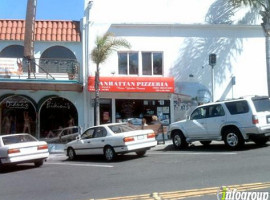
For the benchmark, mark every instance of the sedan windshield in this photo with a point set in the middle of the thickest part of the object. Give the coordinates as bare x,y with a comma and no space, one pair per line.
18,139
120,128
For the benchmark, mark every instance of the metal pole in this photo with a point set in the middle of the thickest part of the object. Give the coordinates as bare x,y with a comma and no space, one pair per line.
213,83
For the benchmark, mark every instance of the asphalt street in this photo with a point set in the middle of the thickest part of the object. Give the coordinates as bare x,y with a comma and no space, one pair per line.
164,173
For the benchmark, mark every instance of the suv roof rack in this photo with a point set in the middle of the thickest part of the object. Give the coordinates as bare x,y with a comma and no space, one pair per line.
231,99
243,97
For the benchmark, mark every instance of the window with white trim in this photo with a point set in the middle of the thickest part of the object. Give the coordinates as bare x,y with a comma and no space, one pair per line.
128,63
152,63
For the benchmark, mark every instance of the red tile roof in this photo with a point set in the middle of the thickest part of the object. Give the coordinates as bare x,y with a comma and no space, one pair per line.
45,30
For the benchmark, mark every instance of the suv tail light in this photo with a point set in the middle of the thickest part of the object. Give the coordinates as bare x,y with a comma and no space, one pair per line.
255,119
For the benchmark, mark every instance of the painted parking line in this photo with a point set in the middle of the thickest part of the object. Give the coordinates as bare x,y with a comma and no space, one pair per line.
183,194
192,153
80,164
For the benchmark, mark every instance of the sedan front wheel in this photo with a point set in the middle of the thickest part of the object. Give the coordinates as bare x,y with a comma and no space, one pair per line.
71,154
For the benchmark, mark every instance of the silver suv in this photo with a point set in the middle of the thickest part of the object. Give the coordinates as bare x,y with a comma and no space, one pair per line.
233,121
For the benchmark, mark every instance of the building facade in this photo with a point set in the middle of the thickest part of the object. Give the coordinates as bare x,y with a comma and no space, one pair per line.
48,96
165,72
173,40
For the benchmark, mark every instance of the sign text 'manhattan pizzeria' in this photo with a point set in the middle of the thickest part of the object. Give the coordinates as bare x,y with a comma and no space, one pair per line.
133,84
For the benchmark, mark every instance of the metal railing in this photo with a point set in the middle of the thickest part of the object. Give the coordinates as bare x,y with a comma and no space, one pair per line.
46,69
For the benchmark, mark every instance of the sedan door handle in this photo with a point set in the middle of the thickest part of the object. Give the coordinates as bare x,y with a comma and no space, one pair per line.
102,140
88,142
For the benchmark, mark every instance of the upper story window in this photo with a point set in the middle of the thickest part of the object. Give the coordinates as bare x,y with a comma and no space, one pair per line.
152,63
128,63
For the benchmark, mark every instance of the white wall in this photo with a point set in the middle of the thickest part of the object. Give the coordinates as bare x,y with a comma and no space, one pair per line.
165,11
240,53
187,32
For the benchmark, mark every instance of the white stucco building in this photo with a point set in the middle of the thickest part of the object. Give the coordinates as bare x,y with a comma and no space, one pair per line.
182,34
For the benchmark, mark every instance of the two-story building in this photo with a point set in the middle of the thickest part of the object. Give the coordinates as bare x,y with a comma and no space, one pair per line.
164,72
49,94
168,63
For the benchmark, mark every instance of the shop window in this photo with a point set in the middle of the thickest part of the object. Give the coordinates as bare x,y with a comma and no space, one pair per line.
128,63
134,111
152,63
57,113
18,115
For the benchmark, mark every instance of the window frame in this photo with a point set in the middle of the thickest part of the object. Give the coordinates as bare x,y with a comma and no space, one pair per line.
152,63
128,65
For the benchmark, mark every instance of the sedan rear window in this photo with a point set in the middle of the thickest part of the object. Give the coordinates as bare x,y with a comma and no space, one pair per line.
17,139
261,104
121,128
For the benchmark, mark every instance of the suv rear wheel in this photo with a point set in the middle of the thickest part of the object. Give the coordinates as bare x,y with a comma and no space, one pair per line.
233,138
179,140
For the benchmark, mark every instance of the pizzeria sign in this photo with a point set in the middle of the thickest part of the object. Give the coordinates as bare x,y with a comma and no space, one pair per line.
133,84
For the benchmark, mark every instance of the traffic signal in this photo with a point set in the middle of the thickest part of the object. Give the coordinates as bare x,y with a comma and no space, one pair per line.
212,59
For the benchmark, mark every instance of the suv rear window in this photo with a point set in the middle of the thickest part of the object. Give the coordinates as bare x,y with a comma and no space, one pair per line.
261,104
237,107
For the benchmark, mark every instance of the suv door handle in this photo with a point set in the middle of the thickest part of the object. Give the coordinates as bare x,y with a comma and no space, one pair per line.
102,140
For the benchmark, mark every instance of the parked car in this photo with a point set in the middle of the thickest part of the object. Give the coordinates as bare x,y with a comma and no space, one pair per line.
63,135
233,121
22,148
110,140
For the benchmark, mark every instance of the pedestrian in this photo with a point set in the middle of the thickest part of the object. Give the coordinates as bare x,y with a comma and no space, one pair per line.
144,123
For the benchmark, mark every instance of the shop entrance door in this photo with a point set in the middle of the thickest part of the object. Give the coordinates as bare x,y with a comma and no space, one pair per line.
105,111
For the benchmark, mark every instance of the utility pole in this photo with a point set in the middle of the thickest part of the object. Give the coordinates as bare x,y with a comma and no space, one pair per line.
29,35
212,63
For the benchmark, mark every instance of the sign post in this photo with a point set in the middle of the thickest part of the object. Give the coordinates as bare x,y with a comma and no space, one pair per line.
212,63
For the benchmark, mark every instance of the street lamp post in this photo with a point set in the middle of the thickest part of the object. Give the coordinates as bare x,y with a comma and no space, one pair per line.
212,63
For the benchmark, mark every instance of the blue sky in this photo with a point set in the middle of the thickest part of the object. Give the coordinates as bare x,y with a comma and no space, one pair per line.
46,9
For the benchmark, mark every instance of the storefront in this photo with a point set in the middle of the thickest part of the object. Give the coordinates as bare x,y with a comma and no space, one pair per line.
124,98
17,114
21,114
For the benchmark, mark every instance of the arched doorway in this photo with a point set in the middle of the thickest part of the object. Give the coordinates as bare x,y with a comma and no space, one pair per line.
12,51
56,113
58,59
17,115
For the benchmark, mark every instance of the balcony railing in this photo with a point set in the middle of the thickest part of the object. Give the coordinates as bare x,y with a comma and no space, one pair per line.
41,69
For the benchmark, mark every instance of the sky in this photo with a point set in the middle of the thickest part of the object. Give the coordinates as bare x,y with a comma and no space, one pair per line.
46,9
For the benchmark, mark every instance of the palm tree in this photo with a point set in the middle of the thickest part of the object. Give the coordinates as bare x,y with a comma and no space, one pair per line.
104,46
264,10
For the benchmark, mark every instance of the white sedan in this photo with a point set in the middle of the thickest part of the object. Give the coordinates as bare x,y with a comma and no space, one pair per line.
22,148
110,140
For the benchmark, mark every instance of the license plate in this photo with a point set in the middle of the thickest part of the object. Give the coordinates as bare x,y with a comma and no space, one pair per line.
140,137
29,149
